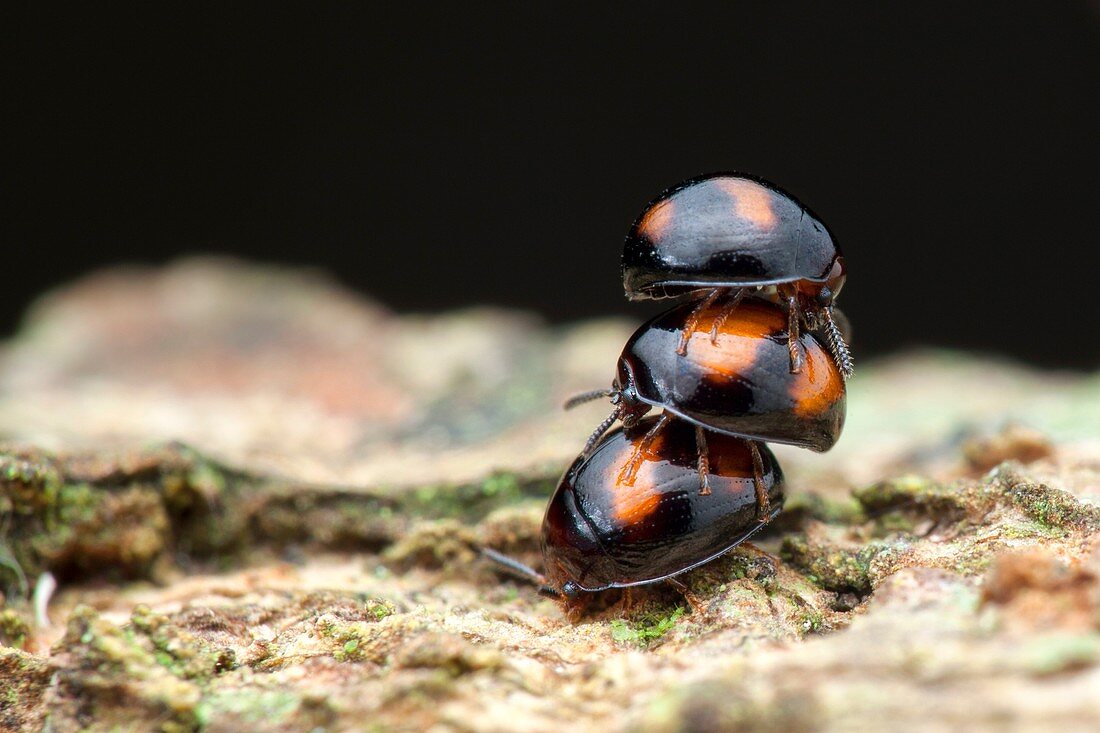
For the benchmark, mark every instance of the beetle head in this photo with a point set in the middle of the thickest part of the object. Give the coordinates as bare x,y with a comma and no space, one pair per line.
629,408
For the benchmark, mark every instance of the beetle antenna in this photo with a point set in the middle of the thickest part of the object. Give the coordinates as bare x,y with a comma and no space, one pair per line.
837,345
525,571
599,431
580,399
514,565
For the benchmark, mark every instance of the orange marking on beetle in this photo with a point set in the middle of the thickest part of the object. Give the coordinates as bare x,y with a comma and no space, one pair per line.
633,506
633,500
641,452
819,385
751,201
739,339
656,220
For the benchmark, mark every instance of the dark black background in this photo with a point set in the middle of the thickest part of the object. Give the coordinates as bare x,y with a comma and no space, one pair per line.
497,154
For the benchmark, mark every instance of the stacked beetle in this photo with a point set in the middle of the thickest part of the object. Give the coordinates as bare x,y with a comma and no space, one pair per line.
751,353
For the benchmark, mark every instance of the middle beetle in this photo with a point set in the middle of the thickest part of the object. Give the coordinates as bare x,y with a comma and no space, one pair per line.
732,377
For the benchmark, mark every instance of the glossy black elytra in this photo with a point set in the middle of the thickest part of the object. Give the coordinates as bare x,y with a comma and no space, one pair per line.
631,513
732,377
731,230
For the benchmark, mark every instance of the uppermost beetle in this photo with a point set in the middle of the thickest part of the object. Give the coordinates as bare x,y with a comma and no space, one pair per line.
726,231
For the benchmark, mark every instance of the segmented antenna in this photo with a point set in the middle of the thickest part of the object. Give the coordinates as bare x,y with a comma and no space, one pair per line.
838,346
514,565
599,431
580,399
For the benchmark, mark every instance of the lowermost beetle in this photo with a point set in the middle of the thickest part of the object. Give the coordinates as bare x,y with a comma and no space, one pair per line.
631,513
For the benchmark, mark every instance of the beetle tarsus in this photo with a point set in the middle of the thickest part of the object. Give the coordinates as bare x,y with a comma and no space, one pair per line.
626,599
630,470
726,311
693,600
704,461
838,346
763,501
693,320
793,345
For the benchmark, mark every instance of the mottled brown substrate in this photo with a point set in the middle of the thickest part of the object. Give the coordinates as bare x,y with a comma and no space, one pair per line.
309,560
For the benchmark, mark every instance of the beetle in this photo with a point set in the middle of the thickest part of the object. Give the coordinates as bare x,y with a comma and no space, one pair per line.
731,378
629,513
723,231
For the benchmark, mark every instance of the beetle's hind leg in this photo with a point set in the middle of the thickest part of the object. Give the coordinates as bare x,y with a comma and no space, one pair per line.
629,472
794,317
693,320
696,602
763,501
704,461
727,309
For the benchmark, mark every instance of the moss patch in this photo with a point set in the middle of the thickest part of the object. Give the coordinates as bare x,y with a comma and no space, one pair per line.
846,510
646,630
14,629
25,681
1049,506
114,676
835,568
903,499
119,516
178,650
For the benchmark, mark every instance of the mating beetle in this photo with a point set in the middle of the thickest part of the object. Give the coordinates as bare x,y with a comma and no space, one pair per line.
631,513
720,231
731,378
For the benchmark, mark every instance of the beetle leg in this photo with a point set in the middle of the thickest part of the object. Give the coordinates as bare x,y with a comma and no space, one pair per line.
793,317
629,472
696,603
763,501
693,320
726,311
704,461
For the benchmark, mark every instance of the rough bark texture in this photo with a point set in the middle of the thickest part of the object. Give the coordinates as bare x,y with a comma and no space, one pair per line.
262,499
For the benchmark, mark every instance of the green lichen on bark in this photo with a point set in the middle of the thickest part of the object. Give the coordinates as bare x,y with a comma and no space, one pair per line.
25,683
113,675
119,521
915,495
840,569
1049,506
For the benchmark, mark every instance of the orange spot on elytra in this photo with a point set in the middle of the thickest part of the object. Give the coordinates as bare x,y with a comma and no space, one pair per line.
739,337
751,201
635,506
645,450
633,500
818,386
657,219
